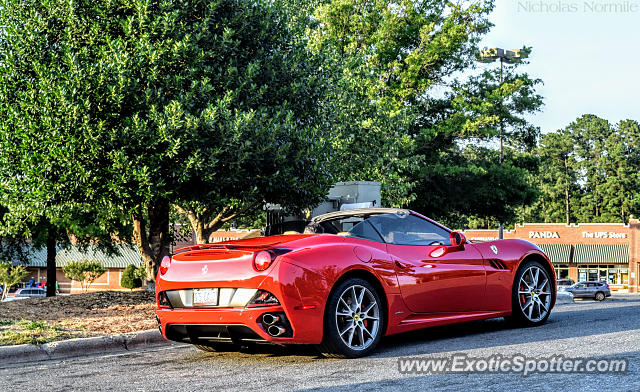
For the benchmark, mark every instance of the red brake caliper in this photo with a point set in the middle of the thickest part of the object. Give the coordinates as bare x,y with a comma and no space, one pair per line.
522,298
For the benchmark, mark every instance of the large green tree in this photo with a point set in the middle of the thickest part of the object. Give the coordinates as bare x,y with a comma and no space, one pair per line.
557,178
621,189
387,59
591,134
409,116
461,180
132,107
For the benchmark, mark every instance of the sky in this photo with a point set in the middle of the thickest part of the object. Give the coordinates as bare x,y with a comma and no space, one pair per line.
587,53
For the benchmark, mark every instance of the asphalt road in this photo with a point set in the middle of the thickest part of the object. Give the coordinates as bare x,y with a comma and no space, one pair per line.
584,329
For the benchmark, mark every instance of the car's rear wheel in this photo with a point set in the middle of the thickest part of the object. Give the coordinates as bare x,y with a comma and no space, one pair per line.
354,320
216,347
532,294
599,296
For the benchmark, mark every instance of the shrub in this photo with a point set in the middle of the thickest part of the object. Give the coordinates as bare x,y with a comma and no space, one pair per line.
10,276
141,272
84,271
130,278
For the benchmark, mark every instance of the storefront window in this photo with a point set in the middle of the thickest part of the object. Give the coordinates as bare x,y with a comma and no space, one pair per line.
612,274
562,271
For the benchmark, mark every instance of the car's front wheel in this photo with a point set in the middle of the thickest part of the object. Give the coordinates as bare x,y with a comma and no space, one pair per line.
532,295
354,320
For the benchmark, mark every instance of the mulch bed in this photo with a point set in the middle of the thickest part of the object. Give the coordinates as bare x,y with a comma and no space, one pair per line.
90,314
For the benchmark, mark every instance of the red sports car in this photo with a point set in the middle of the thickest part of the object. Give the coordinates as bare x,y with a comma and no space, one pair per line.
349,279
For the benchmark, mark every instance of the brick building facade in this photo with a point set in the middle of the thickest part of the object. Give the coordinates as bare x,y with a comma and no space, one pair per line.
587,251
110,280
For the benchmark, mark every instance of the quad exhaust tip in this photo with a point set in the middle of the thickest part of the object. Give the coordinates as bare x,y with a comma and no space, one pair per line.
270,319
275,324
275,330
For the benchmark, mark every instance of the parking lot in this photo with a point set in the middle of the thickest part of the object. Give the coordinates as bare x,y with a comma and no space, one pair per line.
584,329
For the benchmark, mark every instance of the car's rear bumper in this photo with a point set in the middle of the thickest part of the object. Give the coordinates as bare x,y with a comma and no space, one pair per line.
301,294
199,326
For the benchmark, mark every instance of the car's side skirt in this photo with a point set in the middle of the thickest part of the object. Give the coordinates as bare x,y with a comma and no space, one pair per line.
419,321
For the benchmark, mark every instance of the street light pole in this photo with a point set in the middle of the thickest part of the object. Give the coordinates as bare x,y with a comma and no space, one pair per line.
501,131
500,226
510,57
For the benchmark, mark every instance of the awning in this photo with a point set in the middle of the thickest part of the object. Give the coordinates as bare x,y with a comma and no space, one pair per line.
601,254
557,253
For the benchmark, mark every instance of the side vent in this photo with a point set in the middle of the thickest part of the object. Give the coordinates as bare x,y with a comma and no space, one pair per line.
497,264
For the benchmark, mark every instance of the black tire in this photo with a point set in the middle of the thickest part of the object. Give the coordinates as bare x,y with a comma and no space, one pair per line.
333,345
599,296
518,316
217,347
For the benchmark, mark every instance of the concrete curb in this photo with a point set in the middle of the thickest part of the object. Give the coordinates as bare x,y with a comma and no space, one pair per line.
80,347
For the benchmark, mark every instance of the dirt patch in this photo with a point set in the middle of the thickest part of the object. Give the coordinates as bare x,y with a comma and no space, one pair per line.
84,315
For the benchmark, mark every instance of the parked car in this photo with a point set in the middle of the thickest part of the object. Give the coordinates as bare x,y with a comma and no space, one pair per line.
564,297
596,290
353,277
565,283
25,293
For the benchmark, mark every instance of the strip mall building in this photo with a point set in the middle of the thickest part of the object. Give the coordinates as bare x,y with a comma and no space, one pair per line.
608,252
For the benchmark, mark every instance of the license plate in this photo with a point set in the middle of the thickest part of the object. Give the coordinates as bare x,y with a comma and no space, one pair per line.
208,297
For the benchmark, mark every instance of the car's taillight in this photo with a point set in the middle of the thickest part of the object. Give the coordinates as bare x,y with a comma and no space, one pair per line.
164,265
262,260
163,301
15,295
263,298
607,286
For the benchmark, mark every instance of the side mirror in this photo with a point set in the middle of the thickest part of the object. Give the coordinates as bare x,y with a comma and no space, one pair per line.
457,239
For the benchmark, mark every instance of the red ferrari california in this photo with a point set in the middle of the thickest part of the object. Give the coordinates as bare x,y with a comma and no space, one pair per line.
349,279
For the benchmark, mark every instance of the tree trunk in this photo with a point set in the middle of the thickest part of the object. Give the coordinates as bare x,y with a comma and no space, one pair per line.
51,262
199,231
152,241
197,224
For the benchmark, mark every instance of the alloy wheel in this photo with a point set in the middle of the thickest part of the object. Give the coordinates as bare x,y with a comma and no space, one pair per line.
357,317
534,293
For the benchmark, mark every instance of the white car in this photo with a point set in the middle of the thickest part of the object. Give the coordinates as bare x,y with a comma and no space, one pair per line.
564,297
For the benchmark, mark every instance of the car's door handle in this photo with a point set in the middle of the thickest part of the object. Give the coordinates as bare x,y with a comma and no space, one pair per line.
399,265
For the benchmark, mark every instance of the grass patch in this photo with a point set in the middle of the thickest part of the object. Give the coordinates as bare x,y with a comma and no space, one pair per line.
32,332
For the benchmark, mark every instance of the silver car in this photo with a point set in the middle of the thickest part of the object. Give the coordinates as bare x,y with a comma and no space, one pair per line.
596,290
25,293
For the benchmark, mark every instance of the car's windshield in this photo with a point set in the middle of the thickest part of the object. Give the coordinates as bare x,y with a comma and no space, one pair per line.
392,228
